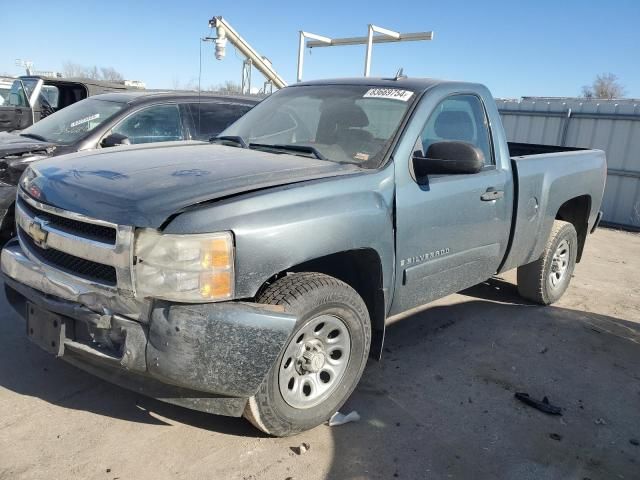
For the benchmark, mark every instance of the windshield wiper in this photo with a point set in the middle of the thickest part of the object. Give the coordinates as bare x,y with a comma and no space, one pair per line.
230,139
34,136
306,149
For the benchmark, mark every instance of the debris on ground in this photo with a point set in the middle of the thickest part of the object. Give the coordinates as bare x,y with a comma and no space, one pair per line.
543,350
600,421
555,436
634,441
340,418
543,405
302,449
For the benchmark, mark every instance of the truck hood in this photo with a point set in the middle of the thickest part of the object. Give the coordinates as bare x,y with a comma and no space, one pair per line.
143,185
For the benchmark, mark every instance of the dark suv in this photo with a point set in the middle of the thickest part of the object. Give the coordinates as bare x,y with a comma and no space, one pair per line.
109,120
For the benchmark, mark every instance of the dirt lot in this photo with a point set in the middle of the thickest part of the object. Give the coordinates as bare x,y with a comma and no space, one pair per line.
439,405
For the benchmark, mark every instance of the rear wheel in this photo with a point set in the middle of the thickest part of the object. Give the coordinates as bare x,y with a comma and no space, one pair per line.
323,359
545,280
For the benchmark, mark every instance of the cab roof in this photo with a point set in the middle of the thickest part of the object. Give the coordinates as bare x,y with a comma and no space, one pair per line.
413,84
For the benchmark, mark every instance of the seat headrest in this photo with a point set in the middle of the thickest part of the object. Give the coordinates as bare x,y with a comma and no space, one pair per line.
345,114
454,125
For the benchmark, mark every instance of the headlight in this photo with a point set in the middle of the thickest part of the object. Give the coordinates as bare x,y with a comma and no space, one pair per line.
184,268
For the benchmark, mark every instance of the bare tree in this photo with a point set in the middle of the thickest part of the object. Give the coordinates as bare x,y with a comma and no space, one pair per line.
229,87
606,86
71,69
111,74
192,84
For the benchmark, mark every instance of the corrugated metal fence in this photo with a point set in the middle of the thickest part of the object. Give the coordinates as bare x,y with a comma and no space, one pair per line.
612,126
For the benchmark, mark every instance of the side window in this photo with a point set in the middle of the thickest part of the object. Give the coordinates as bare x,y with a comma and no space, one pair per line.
461,118
209,119
160,123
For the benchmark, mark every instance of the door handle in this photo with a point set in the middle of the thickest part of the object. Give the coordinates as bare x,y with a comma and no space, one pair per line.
491,194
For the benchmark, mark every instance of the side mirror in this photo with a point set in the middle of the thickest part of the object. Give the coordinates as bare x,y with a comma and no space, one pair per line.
452,157
114,140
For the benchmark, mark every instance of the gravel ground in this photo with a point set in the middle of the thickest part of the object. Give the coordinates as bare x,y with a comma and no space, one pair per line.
440,404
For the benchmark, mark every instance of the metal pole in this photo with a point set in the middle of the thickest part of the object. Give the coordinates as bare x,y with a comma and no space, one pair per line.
367,58
303,36
383,31
246,76
300,56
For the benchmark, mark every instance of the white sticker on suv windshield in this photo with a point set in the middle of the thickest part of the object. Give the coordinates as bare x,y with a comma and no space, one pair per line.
390,93
84,120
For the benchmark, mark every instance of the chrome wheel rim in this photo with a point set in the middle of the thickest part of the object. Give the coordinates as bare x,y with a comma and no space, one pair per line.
559,264
314,362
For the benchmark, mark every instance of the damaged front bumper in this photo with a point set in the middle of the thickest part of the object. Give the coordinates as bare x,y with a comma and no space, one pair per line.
209,357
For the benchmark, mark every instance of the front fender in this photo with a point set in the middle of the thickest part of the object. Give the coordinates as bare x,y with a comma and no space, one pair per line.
278,228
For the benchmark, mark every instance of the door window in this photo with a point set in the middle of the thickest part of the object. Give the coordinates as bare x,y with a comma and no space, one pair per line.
211,118
160,123
459,118
17,95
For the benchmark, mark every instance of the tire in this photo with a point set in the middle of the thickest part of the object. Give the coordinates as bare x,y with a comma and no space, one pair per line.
534,279
286,403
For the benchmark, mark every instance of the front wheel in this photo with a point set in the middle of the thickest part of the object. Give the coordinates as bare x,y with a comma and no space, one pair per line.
545,280
323,359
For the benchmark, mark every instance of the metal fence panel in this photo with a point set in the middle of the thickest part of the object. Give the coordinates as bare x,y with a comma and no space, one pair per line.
609,125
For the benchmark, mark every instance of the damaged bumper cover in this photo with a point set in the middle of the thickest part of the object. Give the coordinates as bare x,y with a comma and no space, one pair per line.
209,357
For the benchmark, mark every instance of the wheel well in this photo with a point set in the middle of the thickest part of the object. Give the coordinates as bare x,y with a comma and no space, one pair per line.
576,211
361,269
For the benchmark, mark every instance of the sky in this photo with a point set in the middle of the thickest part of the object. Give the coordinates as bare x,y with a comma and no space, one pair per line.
516,48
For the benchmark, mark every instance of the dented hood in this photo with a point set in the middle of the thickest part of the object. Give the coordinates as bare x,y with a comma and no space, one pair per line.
144,185
12,144
16,152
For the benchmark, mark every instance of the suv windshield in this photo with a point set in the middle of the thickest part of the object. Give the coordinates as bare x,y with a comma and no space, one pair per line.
73,122
340,123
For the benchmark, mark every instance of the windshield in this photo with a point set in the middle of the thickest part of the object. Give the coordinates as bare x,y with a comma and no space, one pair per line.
340,123
73,122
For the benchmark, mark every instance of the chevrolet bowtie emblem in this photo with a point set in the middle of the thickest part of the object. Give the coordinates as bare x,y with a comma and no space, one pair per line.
38,233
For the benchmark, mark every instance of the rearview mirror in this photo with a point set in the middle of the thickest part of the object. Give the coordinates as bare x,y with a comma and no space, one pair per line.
452,157
115,139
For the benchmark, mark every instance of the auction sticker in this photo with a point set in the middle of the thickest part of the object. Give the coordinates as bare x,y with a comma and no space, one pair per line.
390,93
84,120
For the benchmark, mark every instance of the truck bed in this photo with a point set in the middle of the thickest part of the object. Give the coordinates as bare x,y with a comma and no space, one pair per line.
545,177
517,149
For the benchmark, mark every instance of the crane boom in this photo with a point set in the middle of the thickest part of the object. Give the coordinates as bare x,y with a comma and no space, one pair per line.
225,32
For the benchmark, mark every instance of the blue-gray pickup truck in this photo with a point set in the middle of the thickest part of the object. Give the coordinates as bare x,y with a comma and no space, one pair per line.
253,276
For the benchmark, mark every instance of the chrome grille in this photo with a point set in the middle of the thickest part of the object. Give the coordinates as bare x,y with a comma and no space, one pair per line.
80,267
92,250
91,231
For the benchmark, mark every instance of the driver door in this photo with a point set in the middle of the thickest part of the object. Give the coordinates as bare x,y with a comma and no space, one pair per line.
16,113
451,233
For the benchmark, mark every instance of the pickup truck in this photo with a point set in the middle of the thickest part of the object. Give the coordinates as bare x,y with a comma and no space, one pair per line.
254,276
109,120
32,98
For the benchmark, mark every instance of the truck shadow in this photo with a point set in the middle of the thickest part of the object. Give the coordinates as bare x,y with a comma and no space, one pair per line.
441,402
